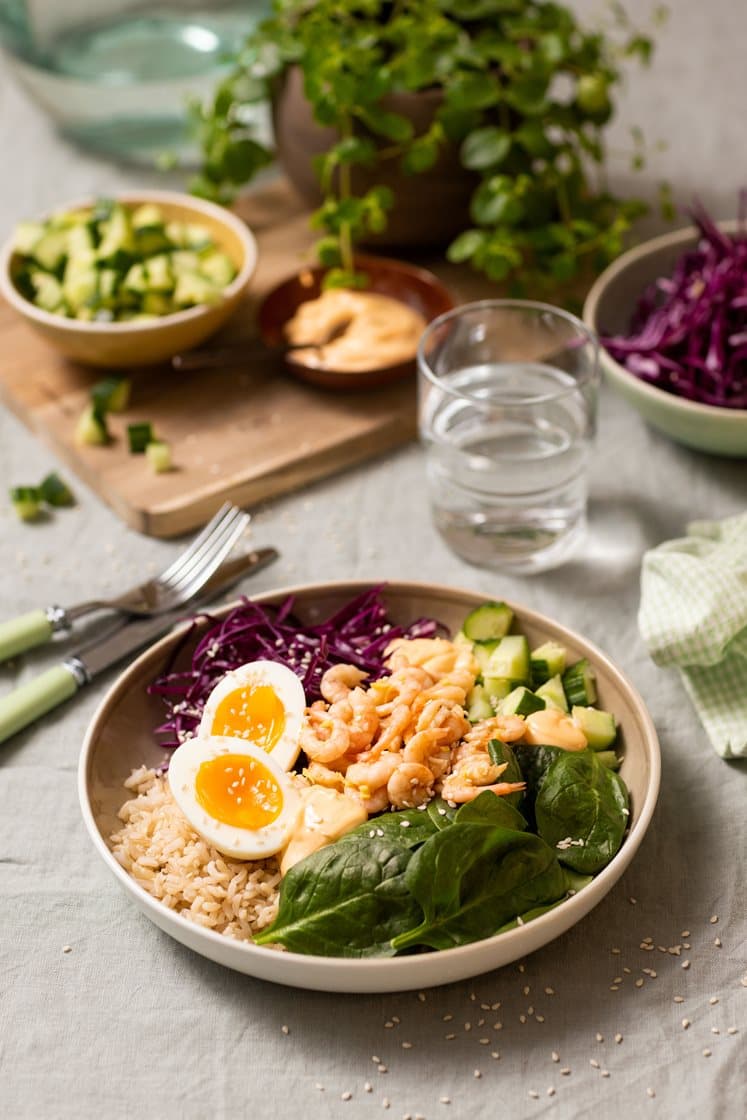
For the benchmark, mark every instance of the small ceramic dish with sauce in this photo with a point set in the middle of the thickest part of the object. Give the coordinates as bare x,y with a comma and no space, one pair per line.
358,339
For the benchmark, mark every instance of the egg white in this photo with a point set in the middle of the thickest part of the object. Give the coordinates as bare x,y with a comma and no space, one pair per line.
241,843
289,691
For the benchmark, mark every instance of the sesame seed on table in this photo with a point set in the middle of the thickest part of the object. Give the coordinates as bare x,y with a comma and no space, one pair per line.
641,1006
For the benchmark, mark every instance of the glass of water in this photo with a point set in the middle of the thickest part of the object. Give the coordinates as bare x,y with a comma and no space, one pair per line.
507,404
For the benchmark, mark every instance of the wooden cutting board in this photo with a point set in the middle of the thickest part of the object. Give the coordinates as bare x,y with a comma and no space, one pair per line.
236,435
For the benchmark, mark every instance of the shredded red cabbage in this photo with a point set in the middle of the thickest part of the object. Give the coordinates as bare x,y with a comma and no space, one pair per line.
357,634
689,331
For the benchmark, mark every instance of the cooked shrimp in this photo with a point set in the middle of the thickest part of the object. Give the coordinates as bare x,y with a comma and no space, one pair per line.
326,776
363,720
410,785
390,738
423,745
506,728
461,792
339,681
367,777
323,738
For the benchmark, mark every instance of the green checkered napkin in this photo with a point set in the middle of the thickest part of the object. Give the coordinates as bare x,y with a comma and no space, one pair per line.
693,614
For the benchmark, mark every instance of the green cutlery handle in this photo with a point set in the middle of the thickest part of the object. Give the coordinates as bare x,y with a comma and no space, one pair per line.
35,699
32,629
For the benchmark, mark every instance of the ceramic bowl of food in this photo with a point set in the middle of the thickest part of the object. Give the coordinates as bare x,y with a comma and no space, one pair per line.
361,339
160,288
609,309
121,741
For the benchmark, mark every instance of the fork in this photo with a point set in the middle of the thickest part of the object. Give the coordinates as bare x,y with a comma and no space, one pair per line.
165,592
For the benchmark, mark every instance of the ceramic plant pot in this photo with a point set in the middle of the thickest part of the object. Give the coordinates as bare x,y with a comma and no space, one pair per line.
430,208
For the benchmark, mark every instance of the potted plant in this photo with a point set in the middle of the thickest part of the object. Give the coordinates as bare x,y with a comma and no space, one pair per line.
475,121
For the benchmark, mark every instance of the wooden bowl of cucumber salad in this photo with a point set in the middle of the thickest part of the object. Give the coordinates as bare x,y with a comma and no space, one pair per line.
130,280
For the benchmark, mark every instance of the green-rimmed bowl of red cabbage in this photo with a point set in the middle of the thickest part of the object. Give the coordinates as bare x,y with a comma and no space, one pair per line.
671,315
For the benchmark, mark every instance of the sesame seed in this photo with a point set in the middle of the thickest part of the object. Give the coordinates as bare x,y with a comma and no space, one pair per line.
549,991
407,1046
530,1010
497,1026
533,1094
600,1037
444,1100
472,996
618,1038
632,901
618,980
388,1024
685,1024
485,1007
605,1073
526,989
382,1068
616,951
686,945
385,1102
284,1029
565,1072
346,1096
715,1030
713,919
484,1042
477,1075
495,1054
449,1037
481,1022
367,1087
375,1059
627,970
422,997
713,1000
707,1053
648,940
614,988
555,1056
522,968
540,1018
650,1093
319,1086
594,1063
67,948
685,965
396,1019
717,942
468,1026
685,933
551,1092
639,983
743,981
679,999
522,1018
732,1030
495,1006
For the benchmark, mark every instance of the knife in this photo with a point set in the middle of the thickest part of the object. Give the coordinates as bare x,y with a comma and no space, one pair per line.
37,697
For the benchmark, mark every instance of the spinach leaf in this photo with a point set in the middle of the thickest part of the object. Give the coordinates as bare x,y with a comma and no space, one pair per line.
582,800
501,752
440,812
347,900
408,827
490,809
471,878
573,883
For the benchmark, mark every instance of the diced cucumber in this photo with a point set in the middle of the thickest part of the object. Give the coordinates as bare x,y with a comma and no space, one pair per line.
196,236
599,727
488,622
219,268
26,502
151,240
147,215
497,689
478,705
136,279
91,428
521,702
157,304
510,659
80,240
47,290
578,682
51,250
55,492
159,274
139,436
80,288
547,661
108,284
184,260
111,395
610,759
553,694
117,240
26,236
158,454
192,289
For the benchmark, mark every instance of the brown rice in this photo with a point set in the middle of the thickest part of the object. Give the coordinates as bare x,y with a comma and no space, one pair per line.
161,851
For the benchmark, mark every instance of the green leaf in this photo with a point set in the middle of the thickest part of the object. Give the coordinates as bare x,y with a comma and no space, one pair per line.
328,251
346,900
384,123
583,802
495,202
466,245
474,91
421,156
485,148
533,139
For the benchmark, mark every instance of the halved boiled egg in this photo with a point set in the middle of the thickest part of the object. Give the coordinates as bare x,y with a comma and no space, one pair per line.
261,703
235,795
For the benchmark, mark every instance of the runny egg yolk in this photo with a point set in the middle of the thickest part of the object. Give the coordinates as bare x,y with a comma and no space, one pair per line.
253,712
237,790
